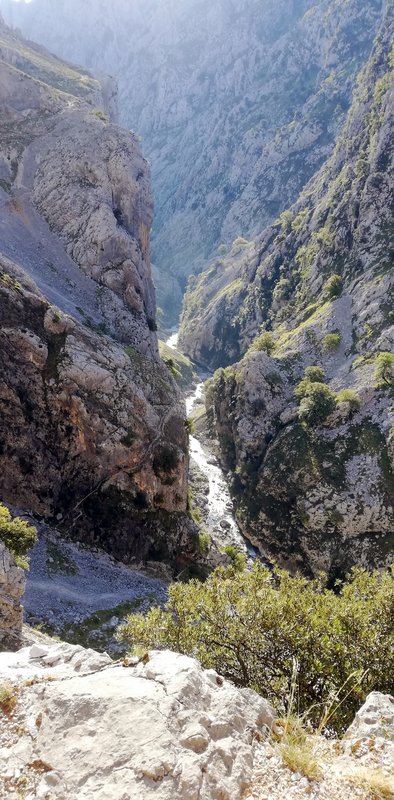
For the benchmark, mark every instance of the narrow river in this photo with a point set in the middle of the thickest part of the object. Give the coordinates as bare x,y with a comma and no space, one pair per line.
220,520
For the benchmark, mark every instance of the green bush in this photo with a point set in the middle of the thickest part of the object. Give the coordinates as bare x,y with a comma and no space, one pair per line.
333,287
265,342
204,542
384,370
331,342
317,405
315,374
350,397
251,625
316,400
17,535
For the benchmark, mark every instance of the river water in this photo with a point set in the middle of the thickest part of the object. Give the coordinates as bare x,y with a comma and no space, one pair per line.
220,519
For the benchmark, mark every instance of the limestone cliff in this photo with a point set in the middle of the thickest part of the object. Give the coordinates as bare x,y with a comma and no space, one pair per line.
315,289
92,426
238,103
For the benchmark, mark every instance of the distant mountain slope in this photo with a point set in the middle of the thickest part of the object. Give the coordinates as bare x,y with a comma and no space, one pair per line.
313,472
238,103
92,428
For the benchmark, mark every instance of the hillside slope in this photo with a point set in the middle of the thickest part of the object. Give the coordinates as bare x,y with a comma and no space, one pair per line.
314,490
92,428
238,104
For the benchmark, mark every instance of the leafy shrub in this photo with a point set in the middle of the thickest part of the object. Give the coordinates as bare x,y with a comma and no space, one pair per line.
317,400
384,370
204,542
315,374
350,397
17,535
190,425
317,404
265,342
331,342
239,242
333,287
237,559
251,625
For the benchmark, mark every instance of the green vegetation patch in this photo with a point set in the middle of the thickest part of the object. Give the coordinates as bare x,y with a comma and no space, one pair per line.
17,535
252,626
180,366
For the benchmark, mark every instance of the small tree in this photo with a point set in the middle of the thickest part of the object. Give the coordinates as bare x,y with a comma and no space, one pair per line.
17,535
317,400
265,342
384,370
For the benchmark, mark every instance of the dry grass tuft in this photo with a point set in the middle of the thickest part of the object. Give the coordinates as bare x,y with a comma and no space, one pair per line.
379,785
300,756
8,698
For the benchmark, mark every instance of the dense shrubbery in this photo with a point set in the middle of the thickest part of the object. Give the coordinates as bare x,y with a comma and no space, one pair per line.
252,625
17,535
317,401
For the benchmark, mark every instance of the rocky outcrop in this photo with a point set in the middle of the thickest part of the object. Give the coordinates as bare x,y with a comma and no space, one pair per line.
314,289
238,103
375,720
12,587
162,727
92,428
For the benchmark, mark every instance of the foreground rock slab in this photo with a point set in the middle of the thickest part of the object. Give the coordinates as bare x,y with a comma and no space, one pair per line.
159,728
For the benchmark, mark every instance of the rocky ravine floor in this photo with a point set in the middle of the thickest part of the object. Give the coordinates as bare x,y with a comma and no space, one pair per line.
77,725
82,594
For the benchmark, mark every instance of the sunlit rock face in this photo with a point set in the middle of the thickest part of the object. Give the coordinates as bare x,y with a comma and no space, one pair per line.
238,102
12,587
316,494
92,427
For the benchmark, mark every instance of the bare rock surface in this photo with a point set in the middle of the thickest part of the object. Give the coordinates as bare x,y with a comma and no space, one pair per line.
12,587
314,289
161,729
92,427
238,103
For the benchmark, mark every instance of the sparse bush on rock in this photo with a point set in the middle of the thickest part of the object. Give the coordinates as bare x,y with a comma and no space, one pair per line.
17,535
384,370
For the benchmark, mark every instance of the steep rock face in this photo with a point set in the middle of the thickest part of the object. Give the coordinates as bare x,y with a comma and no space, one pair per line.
319,494
92,426
12,587
238,103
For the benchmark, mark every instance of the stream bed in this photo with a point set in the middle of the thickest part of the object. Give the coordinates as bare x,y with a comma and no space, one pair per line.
220,520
